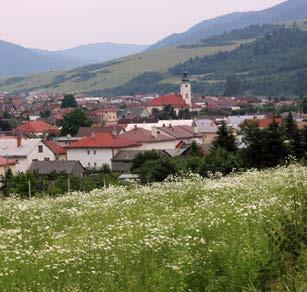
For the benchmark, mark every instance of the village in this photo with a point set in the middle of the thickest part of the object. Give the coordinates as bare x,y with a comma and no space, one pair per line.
121,128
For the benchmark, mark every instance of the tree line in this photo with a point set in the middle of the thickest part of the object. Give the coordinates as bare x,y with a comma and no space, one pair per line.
259,148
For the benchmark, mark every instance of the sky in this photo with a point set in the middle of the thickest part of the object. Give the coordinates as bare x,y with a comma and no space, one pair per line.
61,24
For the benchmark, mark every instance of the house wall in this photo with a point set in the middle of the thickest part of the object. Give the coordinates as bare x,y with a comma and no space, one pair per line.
91,160
25,163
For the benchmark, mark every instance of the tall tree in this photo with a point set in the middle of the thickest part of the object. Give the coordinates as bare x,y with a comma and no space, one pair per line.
69,101
225,139
304,104
74,120
290,126
233,86
275,150
254,139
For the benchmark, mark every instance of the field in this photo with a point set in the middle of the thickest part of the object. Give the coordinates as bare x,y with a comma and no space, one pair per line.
187,234
111,74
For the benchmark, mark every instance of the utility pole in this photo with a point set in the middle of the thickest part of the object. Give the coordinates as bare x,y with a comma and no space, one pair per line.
68,185
29,185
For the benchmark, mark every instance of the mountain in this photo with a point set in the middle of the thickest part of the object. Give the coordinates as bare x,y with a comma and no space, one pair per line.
101,52
16,60
97,77
286,11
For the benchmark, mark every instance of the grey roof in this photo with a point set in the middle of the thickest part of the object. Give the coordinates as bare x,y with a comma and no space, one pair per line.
126,155
46,167
175,152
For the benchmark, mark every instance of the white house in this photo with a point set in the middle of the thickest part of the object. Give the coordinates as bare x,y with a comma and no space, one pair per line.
25,151
98,149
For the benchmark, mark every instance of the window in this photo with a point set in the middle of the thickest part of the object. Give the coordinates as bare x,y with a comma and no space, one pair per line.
89,164
95,164
34,160
47,159
40,149
94,152
88,152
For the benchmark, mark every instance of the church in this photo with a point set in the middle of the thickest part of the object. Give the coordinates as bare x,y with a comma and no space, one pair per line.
177,101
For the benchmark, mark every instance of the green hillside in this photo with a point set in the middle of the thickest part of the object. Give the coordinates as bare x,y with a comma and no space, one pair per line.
275,65
239,233
111,74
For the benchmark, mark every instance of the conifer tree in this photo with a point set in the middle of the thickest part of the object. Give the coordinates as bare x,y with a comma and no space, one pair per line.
225,139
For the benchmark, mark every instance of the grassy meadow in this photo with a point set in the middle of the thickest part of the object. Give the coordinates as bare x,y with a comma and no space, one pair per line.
239,233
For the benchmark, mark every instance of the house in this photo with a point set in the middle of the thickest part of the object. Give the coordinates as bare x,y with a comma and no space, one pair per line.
104,116
265,122
162,123
37,129
88,131
57,149
25,151
65,141
68,167
6,164
137,112
150,139
208,129
122,161
98,149
183,133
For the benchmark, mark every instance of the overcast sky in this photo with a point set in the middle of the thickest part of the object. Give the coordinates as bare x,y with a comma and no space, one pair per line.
59,24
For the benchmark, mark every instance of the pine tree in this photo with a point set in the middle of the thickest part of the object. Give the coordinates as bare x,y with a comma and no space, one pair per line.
225,139
291,128
253,137
275,150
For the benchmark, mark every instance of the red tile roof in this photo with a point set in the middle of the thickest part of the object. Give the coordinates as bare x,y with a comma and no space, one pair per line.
141,135
6,162
37,127
174,100
265,123
55,148
104,140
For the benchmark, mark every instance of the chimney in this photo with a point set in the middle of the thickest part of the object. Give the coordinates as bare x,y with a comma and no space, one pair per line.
19,141
93,134
154,132
195,130
170,125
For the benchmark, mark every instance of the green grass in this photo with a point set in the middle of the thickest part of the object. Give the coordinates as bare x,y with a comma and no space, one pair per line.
117,74
188,234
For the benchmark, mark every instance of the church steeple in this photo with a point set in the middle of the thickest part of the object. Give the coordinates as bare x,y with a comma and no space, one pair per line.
186,88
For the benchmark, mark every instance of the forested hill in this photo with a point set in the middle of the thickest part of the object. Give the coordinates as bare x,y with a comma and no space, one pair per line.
275,64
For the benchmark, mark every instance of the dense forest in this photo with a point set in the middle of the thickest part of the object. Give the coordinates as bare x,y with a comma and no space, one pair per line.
228,38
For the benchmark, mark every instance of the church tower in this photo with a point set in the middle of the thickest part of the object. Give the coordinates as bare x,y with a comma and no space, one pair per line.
186,89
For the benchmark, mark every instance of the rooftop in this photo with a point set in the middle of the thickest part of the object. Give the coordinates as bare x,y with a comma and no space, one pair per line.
104,140
37,127
141,135
175,100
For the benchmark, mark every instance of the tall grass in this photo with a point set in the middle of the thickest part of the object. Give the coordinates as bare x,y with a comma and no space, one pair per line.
187,234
